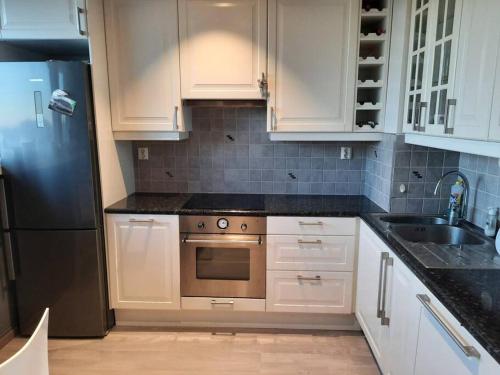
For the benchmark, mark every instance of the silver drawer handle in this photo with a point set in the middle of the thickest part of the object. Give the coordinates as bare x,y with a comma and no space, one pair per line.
468,350
215,302
384,320
302,278
315,242
141,220
256,242
310,223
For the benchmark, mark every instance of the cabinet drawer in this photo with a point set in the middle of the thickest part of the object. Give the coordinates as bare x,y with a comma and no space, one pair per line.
223,304
309,292
326,226
310,253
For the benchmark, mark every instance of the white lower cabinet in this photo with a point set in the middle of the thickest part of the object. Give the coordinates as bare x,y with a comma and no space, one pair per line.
407,328
309,292
310,262
143,261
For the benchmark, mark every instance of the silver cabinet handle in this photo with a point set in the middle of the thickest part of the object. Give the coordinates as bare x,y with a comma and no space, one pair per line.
208,241
449,103
468,350
79,11
174,122
314,242
141,220
273,119
380,281
421,128
9,256
302,278
215,302
263,85
305,223
388,261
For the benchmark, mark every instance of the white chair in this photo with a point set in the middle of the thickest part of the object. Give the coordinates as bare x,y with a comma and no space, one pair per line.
33,358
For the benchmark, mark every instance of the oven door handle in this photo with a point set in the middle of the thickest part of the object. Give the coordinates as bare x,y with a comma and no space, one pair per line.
208,241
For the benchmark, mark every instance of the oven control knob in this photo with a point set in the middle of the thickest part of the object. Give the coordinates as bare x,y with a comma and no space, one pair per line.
222,223
244,227
201,225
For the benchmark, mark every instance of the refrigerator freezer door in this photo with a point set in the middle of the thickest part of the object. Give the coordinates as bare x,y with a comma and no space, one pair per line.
48,157
62,270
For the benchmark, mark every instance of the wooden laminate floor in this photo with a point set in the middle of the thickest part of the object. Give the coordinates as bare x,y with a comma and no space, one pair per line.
138,352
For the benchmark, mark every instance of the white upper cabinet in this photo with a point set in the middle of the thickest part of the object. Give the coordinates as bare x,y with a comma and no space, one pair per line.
223,48
42,19
312,62
452,62
143,261
435,26
143,65
494,134
477,60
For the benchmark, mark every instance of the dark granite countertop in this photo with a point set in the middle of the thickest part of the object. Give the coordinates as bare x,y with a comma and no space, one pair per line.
248,204
472,296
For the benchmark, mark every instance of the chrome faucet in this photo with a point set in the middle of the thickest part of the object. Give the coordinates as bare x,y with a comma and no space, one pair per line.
453,219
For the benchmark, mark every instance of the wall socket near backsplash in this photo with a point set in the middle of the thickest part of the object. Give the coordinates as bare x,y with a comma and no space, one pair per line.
143,153
345,153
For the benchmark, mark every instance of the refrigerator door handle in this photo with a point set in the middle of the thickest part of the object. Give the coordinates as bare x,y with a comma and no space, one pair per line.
3,206
9,256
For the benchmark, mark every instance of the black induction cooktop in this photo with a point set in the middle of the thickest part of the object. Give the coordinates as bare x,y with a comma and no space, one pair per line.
230,202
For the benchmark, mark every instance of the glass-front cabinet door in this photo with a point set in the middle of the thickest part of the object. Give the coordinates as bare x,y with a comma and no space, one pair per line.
417,54
432,61
443,46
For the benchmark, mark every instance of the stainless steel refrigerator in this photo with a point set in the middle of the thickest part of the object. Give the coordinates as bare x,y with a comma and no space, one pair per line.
53,226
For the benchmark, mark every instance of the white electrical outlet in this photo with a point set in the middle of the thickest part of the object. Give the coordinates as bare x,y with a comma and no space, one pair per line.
345,153
143,153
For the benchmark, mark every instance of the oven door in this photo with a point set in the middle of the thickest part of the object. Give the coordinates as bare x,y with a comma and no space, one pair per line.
223,266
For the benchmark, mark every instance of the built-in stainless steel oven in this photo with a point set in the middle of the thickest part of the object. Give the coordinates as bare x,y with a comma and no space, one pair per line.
223,256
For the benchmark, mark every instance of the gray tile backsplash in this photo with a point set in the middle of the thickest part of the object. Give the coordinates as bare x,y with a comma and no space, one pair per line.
229,152
484,178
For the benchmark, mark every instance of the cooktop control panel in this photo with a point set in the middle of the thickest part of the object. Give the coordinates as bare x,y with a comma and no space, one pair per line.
222,224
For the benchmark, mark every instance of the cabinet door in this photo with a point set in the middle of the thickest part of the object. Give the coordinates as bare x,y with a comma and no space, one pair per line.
437,353
477,58
47,19
309,292
312,61
404,312
143,261
494,133
143,65
417,64
223,48
370,265
442,51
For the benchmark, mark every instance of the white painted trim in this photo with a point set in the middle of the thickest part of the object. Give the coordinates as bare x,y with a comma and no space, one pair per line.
115,159
485,148
149,136
322,136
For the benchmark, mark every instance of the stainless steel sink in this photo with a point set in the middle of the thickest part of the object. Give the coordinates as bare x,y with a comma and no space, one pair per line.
406,219
438,234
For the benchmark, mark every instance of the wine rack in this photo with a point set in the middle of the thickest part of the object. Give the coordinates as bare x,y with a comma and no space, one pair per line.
371,83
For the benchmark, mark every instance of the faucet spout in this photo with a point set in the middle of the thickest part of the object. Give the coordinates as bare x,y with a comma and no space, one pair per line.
465,199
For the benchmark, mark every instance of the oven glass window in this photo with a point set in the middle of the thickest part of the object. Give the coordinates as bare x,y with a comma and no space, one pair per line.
223,263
